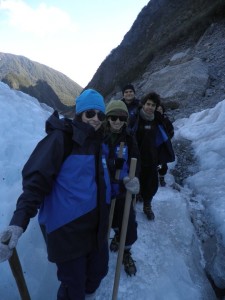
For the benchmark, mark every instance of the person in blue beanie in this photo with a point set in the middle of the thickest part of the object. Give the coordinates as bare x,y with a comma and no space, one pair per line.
66,181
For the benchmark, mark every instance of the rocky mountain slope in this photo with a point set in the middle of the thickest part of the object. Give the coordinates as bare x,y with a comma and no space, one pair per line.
46,84
167,42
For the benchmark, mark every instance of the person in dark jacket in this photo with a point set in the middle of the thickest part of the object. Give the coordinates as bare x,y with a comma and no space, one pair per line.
117,120
155,148
133,105
167,124
65,180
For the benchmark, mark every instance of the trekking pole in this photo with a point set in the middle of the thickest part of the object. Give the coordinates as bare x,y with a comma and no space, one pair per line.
113,202
17,271
126,212
134,201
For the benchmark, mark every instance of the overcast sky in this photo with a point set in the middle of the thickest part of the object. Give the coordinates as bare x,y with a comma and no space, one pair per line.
71,36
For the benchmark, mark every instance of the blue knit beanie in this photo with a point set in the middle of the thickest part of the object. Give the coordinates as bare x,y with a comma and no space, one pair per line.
89,99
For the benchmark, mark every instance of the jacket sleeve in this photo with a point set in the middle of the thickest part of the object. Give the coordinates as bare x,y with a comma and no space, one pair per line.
166,123
168,126
38,175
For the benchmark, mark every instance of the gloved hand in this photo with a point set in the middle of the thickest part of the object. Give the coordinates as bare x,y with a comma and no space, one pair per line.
119,163
132,185
8,241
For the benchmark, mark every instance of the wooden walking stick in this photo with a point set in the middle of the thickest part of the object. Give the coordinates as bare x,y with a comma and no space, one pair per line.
17,271
126,212
113,202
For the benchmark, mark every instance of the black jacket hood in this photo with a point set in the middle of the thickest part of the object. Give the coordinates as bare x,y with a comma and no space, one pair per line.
80,131
54,122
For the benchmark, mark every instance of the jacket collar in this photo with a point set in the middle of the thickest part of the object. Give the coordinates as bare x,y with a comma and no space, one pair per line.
83,131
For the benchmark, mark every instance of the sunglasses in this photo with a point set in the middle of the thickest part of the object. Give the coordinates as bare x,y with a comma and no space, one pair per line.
92,113
121,118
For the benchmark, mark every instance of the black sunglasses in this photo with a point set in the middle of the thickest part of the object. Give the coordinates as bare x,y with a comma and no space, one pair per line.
92,113
121,118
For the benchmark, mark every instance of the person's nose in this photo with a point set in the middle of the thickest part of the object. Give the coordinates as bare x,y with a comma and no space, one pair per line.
96,118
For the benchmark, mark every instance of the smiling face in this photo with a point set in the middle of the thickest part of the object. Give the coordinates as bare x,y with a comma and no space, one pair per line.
117,122
128,96
93,118
149,107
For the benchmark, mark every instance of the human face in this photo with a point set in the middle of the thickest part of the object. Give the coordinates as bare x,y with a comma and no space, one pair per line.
128,96
149,107
93,117
117,122
159,109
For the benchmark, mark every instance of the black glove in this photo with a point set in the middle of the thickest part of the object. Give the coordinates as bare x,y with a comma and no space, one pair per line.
119,163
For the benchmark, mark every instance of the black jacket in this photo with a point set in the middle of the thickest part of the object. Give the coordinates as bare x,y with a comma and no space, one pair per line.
133,109
110,150
167,124
153,141
50,167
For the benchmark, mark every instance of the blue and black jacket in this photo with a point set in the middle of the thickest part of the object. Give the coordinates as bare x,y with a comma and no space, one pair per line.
65,180
133,109
111,146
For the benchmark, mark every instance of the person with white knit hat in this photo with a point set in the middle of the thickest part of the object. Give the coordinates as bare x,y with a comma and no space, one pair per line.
116,132
66,181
